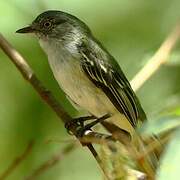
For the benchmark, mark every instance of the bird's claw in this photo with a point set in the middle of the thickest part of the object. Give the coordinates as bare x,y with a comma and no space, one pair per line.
79,122
81,128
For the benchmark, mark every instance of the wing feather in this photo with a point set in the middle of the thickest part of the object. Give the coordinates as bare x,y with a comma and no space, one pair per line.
111,80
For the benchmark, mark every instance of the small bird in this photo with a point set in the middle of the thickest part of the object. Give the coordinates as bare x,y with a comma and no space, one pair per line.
87,73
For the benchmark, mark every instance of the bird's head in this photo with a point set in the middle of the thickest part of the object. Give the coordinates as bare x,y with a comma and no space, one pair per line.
55,25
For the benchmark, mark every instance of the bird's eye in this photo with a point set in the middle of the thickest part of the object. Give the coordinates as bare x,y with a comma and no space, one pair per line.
47,24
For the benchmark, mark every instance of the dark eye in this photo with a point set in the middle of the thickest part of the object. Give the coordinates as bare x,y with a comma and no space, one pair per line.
47,24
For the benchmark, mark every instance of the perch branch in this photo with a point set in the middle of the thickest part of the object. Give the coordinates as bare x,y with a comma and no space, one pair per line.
155,62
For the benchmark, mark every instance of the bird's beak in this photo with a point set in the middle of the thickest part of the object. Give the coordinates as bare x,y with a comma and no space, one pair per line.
28,29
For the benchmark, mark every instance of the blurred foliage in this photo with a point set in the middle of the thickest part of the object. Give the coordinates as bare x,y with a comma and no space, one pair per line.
131,31
169,168
160,125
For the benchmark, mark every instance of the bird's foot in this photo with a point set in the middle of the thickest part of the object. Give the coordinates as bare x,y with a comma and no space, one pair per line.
81,131
79,122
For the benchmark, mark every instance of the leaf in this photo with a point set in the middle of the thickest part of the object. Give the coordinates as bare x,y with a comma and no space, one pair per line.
159,125
170,162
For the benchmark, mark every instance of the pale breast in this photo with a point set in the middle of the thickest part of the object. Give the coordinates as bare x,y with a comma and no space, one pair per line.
74,82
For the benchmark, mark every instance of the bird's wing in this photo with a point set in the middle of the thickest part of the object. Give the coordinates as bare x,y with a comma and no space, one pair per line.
105,73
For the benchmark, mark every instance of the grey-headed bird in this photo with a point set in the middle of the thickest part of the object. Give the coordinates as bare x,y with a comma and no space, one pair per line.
88,74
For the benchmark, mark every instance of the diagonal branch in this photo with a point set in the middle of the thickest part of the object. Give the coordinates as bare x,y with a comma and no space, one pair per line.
17,161
156,61
43,92
51,162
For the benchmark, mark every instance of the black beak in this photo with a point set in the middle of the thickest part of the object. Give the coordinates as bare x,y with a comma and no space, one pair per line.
27,29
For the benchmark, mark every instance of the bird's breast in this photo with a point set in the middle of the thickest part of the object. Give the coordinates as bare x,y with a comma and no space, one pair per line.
75,83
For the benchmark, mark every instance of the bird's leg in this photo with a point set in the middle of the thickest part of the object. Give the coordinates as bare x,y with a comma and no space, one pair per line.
79,121
83,129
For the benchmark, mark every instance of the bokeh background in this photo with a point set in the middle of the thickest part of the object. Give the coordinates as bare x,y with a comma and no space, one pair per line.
131,30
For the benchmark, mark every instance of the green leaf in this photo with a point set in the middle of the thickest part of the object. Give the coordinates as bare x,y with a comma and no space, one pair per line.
170,162
159,125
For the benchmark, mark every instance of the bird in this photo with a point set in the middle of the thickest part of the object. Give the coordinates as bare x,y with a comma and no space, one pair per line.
88,74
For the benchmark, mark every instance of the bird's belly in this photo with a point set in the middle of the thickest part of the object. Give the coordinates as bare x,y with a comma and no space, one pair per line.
80,89
83,92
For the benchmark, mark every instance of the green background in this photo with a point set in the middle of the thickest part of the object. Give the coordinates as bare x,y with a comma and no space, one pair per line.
131,30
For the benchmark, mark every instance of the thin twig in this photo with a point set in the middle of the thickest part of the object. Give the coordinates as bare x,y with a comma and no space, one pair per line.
157,144
17,161
92,137
155,62
44,93
51,162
